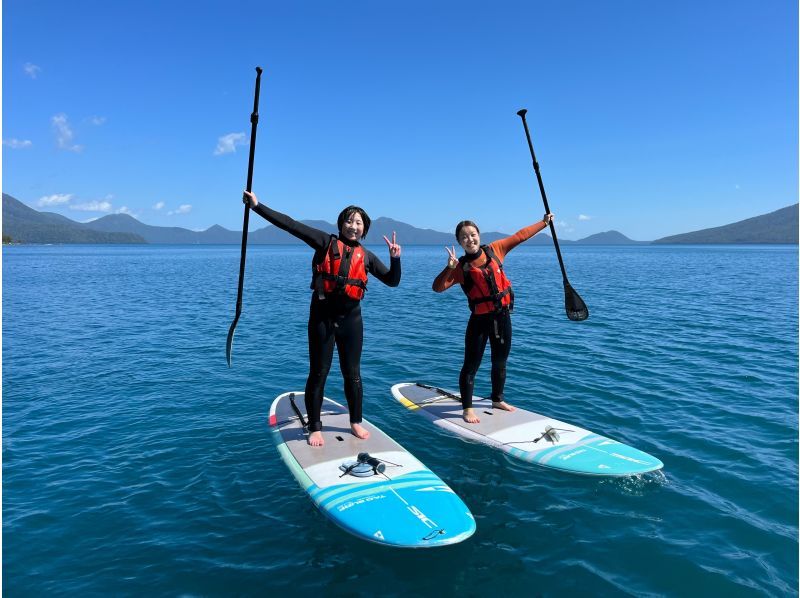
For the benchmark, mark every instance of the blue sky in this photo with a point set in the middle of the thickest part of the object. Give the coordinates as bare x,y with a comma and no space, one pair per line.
647,118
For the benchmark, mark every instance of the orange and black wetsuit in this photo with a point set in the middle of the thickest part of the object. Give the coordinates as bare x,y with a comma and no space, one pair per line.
494,324
334,319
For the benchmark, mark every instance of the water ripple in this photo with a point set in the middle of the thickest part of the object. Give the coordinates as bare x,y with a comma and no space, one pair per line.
136,462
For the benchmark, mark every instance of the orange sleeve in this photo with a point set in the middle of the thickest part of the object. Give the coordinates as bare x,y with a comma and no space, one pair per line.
502,247
447,278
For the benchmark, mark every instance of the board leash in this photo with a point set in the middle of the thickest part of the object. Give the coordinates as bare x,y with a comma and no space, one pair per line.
549,432
297,412
446,394
378,465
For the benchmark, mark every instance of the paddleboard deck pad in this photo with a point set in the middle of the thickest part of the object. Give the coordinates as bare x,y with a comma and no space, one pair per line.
393,500
526,435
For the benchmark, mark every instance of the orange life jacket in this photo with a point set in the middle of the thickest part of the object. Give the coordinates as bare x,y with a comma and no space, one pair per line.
487,287
343,270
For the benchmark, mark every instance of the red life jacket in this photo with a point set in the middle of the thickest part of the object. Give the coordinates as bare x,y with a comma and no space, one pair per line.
487,287
343,271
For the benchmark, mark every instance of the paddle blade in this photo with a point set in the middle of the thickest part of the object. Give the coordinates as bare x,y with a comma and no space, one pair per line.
229,343
576,308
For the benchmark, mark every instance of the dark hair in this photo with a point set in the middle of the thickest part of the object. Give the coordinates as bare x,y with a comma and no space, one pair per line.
349,211
464,223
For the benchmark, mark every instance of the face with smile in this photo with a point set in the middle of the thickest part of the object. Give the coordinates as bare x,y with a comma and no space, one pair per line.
353,227
469,238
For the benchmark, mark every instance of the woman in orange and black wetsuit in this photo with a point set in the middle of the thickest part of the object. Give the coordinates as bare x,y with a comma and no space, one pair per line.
491,299
340,267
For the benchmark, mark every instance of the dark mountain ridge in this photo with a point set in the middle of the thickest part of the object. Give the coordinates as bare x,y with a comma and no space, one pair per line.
780,226
24,224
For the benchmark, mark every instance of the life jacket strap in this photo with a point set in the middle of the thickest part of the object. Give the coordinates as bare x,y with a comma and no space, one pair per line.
340,280
495,297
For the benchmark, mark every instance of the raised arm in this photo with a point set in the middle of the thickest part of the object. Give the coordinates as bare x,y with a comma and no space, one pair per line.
389,276
501,247
313,237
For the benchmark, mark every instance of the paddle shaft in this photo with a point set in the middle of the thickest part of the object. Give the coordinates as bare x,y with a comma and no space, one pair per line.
251,161
522,113
246,222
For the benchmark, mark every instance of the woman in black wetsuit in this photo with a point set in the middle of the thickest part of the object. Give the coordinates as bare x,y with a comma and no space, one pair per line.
491,300
340,266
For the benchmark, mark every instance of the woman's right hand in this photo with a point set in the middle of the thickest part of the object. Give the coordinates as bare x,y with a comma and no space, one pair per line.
452,260
250,199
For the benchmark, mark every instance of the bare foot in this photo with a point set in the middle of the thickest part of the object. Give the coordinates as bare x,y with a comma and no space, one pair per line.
470,417
359,431
503,405
315,439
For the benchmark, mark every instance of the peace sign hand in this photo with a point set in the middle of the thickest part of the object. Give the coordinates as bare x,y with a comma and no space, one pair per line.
452,260
394,248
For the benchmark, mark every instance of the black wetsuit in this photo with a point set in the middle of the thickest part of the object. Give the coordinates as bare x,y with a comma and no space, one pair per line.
480,329
496,328
334,319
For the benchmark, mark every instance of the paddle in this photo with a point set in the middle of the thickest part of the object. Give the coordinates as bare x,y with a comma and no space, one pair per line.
576,308
254,123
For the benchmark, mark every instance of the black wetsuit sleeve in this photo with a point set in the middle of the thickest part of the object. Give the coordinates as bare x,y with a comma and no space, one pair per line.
313,237
389,276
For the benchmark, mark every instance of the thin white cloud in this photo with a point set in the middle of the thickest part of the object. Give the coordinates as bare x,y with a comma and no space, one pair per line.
97,120
31,70
159,205
54,200
227,143
182,209
565,226
64,133
124,210
92,206
17,143
583,217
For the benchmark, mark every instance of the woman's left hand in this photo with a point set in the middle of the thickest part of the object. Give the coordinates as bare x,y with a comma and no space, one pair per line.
394,248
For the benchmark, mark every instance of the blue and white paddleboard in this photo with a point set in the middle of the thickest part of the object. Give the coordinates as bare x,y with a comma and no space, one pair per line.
395,501
526,435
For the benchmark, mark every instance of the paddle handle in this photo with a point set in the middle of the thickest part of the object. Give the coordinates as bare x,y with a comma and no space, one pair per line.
521,113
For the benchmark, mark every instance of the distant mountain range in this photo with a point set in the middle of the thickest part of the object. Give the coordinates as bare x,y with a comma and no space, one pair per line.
22,224
780,226
26,225
268,235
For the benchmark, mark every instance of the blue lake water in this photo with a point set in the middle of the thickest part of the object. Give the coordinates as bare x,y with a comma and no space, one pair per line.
135,462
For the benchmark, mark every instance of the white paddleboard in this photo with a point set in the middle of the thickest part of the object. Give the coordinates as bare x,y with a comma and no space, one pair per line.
526,435
401,504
